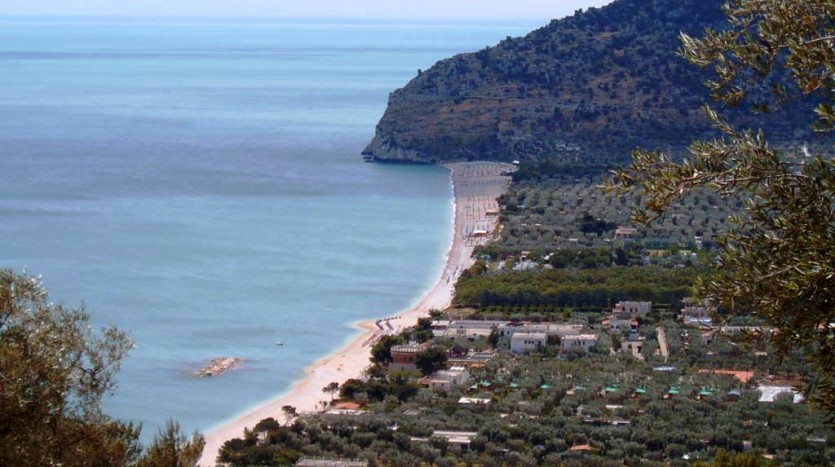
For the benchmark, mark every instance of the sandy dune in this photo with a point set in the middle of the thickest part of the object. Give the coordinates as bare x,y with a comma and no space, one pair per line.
477,185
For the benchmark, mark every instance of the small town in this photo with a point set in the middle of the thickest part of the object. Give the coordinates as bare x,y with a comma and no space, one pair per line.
578,391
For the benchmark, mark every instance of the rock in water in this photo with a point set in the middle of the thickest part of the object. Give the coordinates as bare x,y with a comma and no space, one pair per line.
216,367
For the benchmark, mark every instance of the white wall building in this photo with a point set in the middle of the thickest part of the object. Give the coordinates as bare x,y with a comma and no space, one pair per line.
473,329
633,308
445,379
770,393
583,341
522,342
696,316
551,329
469,329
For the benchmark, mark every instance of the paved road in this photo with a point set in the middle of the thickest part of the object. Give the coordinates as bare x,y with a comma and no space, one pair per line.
662,343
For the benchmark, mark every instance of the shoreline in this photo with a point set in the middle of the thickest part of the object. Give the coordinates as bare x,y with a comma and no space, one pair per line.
475,189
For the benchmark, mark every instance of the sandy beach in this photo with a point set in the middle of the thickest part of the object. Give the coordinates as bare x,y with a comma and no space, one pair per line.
476,187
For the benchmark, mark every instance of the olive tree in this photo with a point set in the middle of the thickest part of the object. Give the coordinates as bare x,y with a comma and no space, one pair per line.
171,448
778,256
331,388
431,360
54,372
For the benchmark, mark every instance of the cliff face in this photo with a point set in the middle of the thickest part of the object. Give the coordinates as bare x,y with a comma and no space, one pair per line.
583,90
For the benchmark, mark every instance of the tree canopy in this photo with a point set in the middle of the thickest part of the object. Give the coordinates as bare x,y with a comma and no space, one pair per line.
54,372
171,448
431,360
778,257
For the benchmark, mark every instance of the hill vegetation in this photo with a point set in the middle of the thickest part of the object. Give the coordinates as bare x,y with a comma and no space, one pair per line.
554,215
582,92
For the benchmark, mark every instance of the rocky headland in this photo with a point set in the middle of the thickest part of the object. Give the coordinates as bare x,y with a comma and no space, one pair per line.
582,91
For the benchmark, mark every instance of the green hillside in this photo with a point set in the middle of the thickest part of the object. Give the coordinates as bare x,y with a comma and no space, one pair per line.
581,91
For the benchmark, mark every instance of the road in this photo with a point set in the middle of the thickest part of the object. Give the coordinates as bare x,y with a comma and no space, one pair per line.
662,343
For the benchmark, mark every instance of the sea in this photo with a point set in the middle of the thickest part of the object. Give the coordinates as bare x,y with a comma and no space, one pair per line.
198,183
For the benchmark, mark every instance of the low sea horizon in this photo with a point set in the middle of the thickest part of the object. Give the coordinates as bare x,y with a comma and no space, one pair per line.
199,184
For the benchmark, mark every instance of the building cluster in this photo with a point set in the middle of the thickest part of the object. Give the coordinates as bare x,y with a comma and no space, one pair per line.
624,320
523,336
623,323
695,315
699,317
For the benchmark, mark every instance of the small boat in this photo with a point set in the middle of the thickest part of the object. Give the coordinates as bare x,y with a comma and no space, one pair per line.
279,343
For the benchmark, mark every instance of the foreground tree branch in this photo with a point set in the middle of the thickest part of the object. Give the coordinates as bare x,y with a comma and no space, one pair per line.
54,372
778,258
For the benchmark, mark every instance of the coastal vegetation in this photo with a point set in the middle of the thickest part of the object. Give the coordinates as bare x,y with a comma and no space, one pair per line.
54,373
550,290
556,214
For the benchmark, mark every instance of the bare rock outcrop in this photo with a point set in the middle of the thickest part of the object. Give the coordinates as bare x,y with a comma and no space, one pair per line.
584,90
217,366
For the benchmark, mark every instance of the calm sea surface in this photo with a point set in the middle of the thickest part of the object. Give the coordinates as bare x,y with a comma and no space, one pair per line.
199,184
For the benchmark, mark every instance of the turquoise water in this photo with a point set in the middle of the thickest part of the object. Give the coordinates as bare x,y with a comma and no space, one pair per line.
199,185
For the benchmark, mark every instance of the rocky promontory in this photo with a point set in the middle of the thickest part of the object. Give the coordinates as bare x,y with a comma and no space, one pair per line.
583,90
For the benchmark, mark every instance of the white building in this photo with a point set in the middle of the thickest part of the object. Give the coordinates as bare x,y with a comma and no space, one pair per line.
445,379
696,316
473,329
458,438
583,341
524,341
770,393
473,401
551,329
469,329
633,308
